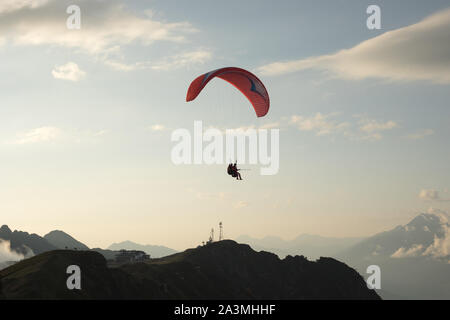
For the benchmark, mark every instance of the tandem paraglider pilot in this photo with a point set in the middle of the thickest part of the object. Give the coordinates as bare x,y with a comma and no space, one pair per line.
233,171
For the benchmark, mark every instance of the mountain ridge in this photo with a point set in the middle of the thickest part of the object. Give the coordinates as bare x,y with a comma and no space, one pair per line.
22,242
62,240
155,251
312,246
220,270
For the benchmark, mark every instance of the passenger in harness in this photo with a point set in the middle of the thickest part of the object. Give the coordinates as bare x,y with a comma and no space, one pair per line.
233,171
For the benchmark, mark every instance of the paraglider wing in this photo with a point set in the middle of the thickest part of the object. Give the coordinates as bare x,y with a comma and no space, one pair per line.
243,80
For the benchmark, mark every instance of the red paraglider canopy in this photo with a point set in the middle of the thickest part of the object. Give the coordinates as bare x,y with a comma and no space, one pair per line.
242,79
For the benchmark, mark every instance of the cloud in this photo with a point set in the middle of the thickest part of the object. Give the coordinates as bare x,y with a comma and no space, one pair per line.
403,54
84,136
240,204
372,128
183,60
106,27
157,127
431,195
14,5
6,254
70,71
420,134
439,249
177,61
321,124
120,66
443,215
99,133
270,125
441,245
414,251
327,124
244,128
54,134
42,134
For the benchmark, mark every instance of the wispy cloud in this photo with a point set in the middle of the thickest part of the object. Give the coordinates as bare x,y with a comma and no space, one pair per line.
414,251
8,255
270,125
69,71
372,128
241,204
121,66
243,129
42,134
420,134
49,134
369,125
157,127
329,124
321,124
357,127
431,195
112,25
442,214
400,55
14,5
182,60
440,248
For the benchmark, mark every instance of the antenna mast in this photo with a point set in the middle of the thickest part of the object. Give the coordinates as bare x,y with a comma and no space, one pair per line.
221,231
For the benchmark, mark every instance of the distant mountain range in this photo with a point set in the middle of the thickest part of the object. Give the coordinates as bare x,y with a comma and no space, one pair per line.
153,251
426,236
311,246
220,270
22,244
414,258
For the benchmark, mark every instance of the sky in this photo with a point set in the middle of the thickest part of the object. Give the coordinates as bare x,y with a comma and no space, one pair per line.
86,117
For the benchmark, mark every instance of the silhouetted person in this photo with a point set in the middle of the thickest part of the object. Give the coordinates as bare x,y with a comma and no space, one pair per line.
234,171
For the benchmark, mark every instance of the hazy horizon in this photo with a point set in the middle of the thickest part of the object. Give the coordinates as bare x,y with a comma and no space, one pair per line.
216,230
